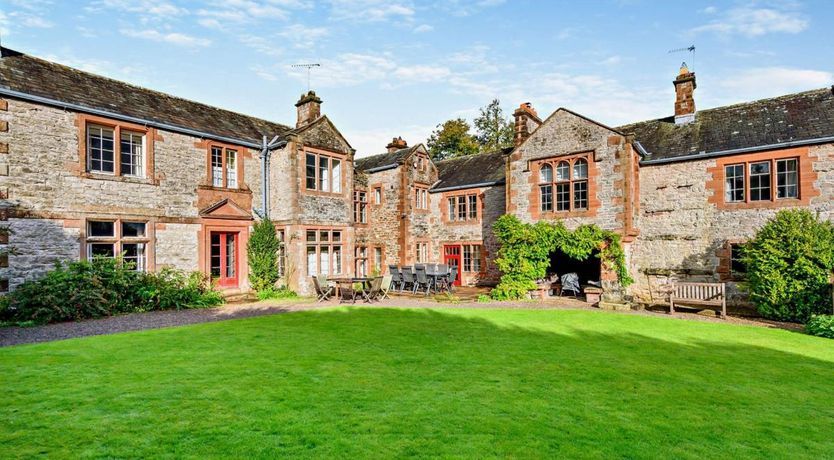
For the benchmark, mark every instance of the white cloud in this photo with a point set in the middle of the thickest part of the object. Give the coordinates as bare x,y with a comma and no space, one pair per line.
370,10
174,38
421,73
372,142
757,83
261,44
754,22
219,12
144,7
423,28
302,36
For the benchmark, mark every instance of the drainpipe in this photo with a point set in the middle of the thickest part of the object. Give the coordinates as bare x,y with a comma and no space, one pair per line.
266,152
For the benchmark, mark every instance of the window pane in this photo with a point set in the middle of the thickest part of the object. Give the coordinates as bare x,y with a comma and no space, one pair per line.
473,206
133,255
580,195
452,210
787,178
311,235
563,197
231,169
734,183
312,269
760,181
215,255
378,258
476,259
131,154
133,229
337,175
547,197
736,262
324,235
100,150
562,171
96,229
216,167
467,258
324,174
311,172
100,250
580,169
231,256
324,260
546,174
461,208
377,196
337,260
337,236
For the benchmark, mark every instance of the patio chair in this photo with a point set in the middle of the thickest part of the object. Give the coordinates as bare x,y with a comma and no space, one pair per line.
442,278
570,282
323,293
396,275
373,292
408,278
422,281
453,275
346,292
387,281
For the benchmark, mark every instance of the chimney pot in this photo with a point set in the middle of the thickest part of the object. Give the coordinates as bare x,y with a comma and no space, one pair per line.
526,121
397,143
309,109
684,96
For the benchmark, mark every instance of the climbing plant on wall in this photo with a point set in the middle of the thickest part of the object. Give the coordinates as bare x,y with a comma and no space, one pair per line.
525,251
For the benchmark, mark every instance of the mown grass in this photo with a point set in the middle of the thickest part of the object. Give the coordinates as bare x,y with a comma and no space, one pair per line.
358,382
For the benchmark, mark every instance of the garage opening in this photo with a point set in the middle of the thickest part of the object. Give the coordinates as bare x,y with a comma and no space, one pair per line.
588,270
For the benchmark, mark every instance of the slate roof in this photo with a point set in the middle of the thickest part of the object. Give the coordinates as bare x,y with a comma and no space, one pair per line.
790,118
472,169
34,76
383,159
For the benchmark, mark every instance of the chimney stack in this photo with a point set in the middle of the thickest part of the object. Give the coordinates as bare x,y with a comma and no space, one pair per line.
526,121
684,96
309,109
396,144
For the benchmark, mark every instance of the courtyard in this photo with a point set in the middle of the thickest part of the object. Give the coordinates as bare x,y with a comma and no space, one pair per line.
449,382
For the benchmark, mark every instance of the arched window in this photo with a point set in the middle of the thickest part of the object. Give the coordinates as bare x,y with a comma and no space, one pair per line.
568,190
546,189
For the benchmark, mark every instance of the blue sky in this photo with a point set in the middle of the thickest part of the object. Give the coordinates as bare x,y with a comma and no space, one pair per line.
399,67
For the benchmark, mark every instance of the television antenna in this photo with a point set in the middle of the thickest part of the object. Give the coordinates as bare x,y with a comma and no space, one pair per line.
691,49
308,67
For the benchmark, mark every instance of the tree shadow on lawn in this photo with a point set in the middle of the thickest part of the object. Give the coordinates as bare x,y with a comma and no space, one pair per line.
394,382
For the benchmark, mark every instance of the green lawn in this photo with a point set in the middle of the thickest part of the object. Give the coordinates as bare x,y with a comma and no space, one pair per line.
397,383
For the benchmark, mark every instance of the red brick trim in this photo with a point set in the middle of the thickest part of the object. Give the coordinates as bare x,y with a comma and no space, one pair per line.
149,239
302,163
444,206
151,137
724,254
807,179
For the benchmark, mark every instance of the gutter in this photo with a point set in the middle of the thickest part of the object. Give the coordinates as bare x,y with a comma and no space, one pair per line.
461,187
382,168
120,117
640,149
722,153
266,153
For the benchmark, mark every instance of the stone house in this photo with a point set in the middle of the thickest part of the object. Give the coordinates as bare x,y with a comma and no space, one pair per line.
92,166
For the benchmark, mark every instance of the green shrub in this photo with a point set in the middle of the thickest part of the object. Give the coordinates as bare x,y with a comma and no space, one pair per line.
262,250
103,287
788,266
483,298
524,256
279,293
821,326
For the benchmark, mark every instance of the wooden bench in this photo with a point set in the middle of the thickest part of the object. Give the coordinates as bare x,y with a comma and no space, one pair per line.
710,294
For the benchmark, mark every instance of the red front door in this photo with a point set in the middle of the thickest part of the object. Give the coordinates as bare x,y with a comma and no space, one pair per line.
224,258
451,257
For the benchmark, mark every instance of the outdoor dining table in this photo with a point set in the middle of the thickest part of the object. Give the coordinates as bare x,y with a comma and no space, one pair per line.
342,281
434,276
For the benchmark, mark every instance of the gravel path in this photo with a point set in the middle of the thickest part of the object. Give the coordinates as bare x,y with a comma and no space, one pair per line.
159,319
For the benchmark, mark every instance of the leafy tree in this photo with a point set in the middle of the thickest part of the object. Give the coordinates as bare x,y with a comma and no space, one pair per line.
262,250
452,139
788,266
494,130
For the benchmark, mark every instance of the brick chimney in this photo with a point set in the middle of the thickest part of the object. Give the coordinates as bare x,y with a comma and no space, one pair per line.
396,144
526,121
309,109
684,98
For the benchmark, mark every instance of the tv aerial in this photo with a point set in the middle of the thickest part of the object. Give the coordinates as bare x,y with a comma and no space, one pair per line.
308,67
691,49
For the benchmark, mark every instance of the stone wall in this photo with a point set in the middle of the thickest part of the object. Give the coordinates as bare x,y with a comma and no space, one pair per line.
684,235
492,203
176,246
38,244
